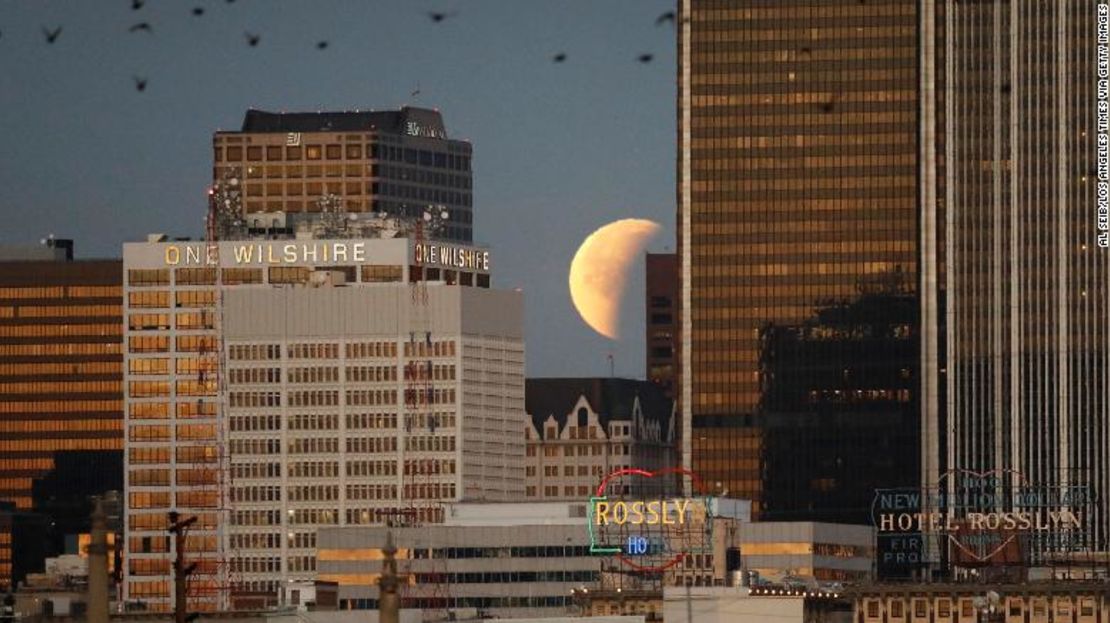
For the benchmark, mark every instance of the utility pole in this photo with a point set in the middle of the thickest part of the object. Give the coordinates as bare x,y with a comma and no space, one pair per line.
179,528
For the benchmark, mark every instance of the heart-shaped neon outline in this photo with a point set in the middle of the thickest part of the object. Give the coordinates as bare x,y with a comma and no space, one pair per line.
954,540
632,471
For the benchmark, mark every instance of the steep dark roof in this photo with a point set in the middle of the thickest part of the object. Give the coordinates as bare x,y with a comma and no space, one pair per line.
611,398
391,121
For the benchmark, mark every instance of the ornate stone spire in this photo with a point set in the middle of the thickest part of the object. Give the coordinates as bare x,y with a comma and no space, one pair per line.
389,602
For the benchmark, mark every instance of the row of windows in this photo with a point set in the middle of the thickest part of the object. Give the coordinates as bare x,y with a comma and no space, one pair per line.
314,516
61,387
254,399
374,374
313,469
347,151
64,350
430,491
61,330
364,396
161,343
256,517
183,387
112,442
254,351
373,468
370,444
434,443
241,376
552,491
161,299
425,396
32,293
62,311
371,492
255,540
427,348
368,350
322,374
254,446
386,421
315,445
312,351
255,470
314,421
355,176
313,493
256,564
597,449
265,493
39,370
156,522
185,432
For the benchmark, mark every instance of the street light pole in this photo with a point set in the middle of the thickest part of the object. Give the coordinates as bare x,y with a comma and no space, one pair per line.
179,528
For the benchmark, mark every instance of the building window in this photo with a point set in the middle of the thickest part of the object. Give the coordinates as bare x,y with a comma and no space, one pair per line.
140,277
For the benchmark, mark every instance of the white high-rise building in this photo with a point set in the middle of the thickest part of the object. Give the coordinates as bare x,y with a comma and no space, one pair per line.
277,386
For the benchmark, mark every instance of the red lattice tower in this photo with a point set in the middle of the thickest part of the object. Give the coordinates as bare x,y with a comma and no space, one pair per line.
421,495
214,580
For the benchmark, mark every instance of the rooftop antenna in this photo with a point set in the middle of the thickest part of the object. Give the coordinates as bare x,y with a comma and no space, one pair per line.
415,95
612,364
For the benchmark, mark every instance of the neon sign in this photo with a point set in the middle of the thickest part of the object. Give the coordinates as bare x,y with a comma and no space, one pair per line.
636,517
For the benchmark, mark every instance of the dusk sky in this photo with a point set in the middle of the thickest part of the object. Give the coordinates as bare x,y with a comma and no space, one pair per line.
559,149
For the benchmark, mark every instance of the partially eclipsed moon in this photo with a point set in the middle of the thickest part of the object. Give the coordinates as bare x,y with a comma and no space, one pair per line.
599,271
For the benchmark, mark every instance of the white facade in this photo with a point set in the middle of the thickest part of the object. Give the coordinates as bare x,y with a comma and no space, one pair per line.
308,383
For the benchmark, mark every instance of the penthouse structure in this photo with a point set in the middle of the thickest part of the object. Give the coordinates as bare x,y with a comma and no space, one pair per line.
294,167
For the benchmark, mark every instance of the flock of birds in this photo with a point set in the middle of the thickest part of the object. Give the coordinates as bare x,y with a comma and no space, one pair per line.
253,39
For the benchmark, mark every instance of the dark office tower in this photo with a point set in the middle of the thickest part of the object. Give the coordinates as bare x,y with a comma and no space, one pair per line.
1016,373
60,364
797,189
661,311
298,168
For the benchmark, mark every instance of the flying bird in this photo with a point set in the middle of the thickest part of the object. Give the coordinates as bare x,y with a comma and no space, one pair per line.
669,16
831,104
806,52
321,45
198,11
645,58
252,39
438,17
145,26
558,58
51,35
140,83
137,4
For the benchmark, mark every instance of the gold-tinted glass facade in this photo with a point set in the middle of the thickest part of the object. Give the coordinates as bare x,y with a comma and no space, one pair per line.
60,366
60,371
797,192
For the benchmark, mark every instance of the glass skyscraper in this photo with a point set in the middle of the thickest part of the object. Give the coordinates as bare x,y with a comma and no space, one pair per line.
798,194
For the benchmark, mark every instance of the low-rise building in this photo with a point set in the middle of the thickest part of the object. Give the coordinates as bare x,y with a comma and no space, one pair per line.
502,559
737,604
1026,602
806,553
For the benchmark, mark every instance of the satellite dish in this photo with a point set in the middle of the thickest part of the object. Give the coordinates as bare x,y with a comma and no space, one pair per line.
427,216
444,215
233,181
